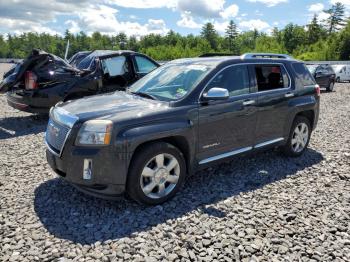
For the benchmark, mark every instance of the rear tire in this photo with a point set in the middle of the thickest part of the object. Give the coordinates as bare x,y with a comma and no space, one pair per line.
299,137
330,87
338,80
156,174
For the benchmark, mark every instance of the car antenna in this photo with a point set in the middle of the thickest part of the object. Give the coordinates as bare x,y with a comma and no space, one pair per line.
67,48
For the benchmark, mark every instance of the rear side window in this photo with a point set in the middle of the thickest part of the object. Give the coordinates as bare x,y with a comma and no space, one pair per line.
330,70
144,65
270,77
234,78
303,74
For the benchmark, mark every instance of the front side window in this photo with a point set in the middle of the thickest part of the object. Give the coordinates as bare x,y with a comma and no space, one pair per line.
270,77
114,66
235,79
144,65
171,81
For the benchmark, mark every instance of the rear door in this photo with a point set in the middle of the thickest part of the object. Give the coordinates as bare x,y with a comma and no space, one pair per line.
273,87
227,127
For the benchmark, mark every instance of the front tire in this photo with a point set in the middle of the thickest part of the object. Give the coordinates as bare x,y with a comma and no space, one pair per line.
299,137
156,173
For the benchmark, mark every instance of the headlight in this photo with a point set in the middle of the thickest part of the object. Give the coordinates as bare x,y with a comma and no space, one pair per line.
95,132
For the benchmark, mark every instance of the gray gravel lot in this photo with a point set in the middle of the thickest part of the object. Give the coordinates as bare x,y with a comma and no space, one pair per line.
259,208
4,67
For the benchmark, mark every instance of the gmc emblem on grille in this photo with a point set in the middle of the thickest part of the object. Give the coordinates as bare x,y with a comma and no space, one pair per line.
54,130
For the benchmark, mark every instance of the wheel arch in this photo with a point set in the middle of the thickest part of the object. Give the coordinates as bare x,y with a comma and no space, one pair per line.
178,141
309,114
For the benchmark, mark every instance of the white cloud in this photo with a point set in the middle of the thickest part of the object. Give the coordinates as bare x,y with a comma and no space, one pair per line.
74,28
103,19
202,8
187,21
19,26
269,3
20,16
230,12
254,24
142,4
316,8
221,27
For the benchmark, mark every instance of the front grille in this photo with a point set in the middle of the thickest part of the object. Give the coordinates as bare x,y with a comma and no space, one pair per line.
56,135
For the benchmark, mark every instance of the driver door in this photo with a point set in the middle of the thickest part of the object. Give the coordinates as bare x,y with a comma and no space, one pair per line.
227,127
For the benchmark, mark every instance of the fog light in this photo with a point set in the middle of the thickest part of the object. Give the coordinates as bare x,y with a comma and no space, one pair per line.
87,171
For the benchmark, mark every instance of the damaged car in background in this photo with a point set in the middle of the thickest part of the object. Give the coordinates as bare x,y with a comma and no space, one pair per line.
43,79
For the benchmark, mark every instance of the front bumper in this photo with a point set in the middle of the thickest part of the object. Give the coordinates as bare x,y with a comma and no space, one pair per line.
108,170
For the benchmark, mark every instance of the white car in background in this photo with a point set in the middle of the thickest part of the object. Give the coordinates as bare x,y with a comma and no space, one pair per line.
342,72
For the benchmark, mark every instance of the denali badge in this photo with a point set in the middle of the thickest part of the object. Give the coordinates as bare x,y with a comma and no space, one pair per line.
211,145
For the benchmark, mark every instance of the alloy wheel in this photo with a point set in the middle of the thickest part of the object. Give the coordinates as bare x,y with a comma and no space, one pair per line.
300,137
160,176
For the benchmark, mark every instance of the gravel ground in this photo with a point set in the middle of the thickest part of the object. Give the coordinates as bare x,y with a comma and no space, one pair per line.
4,67
260,208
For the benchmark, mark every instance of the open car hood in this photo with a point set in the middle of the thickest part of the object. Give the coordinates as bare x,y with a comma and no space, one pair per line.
35,60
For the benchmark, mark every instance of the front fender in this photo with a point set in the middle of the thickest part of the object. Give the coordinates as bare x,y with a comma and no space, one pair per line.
132,138
138,135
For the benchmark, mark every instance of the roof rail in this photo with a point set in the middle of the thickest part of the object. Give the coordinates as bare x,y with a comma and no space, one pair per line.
265,55
216,54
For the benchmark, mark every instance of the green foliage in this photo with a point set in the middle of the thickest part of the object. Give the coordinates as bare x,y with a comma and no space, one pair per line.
209,33
336,17
315,31
231,36
311,42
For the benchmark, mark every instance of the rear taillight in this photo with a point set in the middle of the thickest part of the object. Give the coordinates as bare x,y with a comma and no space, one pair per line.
30,80
318,90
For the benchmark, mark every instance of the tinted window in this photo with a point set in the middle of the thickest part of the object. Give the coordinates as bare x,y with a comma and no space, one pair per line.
144,65
270,77
330,70
303,74
235,79
114,66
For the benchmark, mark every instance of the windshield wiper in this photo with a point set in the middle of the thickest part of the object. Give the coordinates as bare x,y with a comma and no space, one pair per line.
146,95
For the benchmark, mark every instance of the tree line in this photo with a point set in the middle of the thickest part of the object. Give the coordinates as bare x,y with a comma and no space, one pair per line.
318,40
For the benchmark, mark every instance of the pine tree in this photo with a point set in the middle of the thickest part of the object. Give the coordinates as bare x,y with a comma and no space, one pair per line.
314,30
209,33
231,35
335,20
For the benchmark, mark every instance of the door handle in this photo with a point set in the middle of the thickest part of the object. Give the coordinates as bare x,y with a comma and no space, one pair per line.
289,95
249,102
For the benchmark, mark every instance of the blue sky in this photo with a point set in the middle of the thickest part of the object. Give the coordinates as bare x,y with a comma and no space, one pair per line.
140,17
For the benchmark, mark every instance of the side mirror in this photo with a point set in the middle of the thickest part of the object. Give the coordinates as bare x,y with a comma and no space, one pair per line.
216,94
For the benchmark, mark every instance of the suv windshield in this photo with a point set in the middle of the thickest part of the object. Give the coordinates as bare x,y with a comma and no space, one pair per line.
88,63
171,81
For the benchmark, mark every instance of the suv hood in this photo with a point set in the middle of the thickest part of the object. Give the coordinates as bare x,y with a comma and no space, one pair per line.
37,59
121,104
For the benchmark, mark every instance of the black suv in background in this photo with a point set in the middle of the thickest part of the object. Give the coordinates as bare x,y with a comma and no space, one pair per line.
44,79
324,75
186,115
